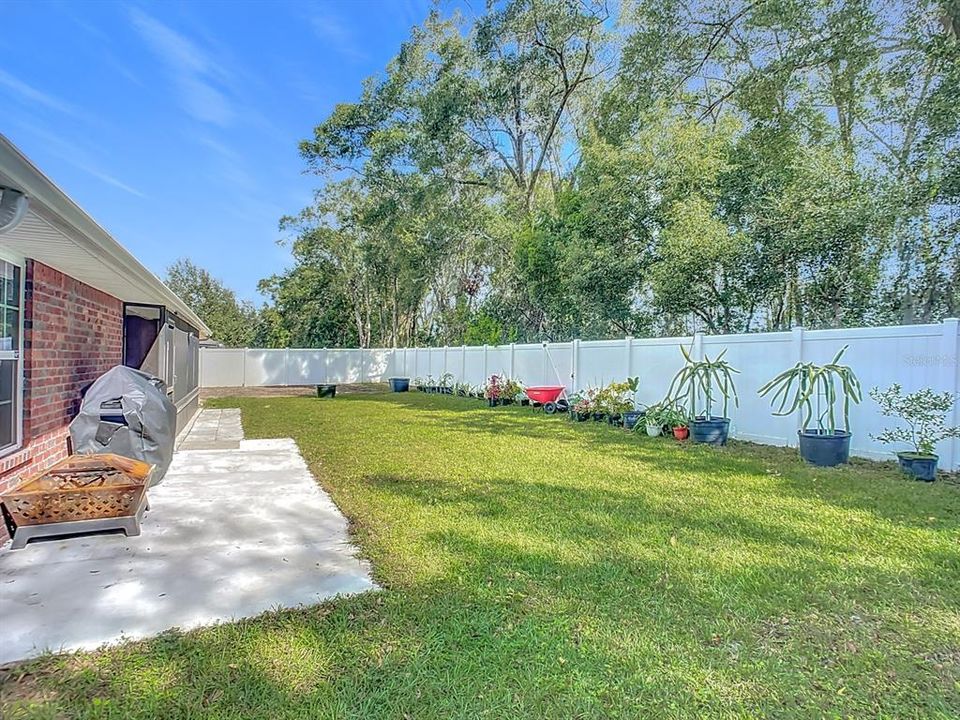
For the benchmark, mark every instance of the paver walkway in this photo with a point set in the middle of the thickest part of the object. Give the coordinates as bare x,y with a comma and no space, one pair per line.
237,527
214,430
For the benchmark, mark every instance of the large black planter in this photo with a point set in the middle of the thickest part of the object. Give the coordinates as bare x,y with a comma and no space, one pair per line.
712,431
399,384
326,391
631,417
824,449
922,467
492,402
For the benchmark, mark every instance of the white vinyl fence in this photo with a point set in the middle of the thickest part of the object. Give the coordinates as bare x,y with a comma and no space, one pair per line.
916,356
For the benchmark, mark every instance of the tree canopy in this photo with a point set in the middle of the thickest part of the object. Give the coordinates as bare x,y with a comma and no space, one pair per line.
573,168
231,322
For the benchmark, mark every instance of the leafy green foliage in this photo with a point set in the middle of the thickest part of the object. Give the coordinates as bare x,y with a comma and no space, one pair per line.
542,172
617,397
231,322
820,384
699,382
924,412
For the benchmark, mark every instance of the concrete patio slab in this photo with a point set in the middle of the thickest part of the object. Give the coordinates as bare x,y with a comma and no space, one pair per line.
236,528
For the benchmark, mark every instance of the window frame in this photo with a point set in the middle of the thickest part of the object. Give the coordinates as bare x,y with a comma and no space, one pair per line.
17,354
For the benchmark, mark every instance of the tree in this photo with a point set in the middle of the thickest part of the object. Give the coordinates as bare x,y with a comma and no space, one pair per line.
231,322
550,170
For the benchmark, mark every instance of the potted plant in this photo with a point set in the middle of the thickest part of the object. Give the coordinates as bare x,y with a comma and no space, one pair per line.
510,391
798,387
925,413
676,419
618,400
598,403
704,381
446,384
580,408
653,420
632,414
493,391
399,384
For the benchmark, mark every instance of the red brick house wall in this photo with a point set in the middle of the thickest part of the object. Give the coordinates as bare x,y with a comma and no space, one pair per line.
72,333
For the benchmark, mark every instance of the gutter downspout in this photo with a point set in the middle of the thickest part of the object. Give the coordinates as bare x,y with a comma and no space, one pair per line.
13,208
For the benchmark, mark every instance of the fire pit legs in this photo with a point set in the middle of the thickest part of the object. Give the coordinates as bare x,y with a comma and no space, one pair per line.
130,524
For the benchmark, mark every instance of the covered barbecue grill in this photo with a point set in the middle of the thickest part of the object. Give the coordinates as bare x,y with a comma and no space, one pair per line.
127,412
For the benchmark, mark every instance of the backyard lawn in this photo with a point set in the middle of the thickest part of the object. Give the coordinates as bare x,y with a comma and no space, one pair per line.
537,568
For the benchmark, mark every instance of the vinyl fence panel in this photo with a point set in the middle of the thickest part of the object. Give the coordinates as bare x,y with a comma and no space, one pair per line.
916,356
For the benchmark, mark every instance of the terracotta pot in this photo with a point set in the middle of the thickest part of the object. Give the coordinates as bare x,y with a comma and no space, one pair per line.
681,433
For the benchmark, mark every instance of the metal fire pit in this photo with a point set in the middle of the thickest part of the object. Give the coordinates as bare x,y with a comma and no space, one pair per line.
83,493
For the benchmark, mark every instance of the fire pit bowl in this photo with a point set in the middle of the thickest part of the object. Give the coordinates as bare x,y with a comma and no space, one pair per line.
82,493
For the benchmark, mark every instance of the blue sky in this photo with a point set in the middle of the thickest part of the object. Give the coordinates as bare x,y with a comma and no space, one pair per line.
175,125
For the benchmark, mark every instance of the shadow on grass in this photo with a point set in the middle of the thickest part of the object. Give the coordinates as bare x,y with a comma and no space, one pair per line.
864,485
514,632
554,596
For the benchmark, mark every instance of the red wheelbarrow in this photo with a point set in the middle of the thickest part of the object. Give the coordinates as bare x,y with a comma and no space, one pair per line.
549,397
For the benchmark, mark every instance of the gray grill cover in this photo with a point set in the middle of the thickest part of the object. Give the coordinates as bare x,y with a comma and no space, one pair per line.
127,412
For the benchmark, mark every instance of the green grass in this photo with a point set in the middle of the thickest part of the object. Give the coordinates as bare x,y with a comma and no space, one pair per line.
537,568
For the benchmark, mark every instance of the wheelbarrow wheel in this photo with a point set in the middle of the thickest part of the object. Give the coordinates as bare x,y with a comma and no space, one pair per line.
549,408
563,406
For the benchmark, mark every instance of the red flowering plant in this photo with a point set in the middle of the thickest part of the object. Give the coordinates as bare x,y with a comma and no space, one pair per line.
494,388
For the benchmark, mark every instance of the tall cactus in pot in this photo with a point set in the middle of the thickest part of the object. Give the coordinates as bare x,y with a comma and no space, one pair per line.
705,381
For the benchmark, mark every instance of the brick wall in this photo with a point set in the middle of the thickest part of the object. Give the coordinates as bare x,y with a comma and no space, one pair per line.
72,334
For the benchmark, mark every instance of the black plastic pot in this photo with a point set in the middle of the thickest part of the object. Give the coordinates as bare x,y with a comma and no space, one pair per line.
579,416
712,430
506,401
615,419
598,416
631,417
922,467
400,384
492,402
326,391
824,449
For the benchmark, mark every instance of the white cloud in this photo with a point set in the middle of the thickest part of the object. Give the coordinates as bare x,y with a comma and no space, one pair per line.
32,95
331,30
198,77
77,156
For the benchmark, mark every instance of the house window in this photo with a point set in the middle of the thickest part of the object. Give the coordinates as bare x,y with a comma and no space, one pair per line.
11,316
